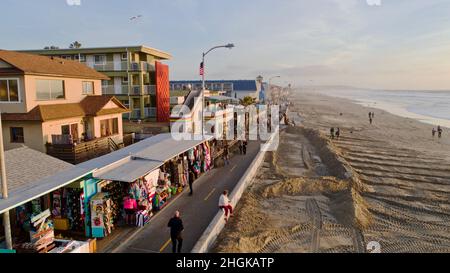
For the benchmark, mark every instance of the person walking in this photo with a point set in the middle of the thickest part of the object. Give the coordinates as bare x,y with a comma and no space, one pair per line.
439,131
241,147
338,133
176,228
332,132
224,204
226,153
433,132
244,146
191,179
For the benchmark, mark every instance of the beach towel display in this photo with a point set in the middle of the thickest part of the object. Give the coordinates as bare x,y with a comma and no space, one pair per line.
73,210
117,192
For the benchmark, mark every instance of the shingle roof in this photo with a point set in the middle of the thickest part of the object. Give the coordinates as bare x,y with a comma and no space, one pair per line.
24,165
42,65
89,106
238,85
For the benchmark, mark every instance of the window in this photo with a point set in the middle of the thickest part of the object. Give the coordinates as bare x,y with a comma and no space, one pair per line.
9,90
17,135
80,57
49,89
125,103
99,59
71,129
109,127
66,57
124,56
124,79
88,88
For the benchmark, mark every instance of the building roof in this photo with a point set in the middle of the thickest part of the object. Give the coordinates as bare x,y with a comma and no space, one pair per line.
31,174
238,85
89,106
148,159
41,65
25,164
221,98
45,174
101,50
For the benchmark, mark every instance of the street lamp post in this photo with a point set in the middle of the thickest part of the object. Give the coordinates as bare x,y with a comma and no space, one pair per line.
229,46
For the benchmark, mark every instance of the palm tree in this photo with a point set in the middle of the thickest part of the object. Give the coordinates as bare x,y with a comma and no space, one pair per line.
75,44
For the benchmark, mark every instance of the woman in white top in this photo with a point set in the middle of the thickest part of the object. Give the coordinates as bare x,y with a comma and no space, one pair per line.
224,203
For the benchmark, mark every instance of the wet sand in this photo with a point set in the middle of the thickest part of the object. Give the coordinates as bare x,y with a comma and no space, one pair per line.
388,182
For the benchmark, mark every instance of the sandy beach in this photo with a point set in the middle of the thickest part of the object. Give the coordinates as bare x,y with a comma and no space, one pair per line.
388,182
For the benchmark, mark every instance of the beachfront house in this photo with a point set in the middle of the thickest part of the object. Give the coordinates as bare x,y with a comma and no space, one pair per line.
46,102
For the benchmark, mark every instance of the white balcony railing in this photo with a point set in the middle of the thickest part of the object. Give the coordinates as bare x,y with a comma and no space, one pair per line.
121,66
150,112
108,90
149,89
141,66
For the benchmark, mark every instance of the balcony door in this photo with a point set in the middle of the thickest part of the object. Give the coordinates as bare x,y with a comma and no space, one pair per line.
72,130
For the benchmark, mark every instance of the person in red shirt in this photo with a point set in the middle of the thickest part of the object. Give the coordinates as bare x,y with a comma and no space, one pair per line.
130,206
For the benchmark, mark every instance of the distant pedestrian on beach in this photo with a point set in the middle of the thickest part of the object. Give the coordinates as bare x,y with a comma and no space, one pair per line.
332,132
224,204
433,132
439,131
176,228
370,120
338,133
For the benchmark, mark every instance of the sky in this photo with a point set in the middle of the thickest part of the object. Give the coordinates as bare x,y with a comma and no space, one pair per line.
381,44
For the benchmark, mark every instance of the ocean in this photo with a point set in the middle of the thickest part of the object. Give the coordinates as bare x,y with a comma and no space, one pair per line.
432,107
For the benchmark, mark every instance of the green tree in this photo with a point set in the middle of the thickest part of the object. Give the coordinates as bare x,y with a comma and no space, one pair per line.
246,101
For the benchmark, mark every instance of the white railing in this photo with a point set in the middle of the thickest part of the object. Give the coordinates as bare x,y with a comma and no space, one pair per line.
149,89
121,66
150,112
141,66
108,89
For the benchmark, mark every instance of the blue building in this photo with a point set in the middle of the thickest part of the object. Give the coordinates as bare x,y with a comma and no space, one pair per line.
237,89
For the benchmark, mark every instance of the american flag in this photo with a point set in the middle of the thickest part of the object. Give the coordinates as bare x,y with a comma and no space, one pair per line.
202,69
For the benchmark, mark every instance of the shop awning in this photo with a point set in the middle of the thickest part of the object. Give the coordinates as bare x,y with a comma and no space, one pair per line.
148,159
129,171
40,187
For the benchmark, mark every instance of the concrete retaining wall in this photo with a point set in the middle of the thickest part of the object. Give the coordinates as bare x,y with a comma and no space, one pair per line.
210,234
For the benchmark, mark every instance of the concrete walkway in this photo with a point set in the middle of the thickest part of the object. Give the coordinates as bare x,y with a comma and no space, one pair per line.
197,211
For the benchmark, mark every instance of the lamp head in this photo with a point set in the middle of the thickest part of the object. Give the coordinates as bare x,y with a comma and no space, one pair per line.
229,46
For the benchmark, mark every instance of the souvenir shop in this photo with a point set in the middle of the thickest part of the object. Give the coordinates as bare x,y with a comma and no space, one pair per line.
123,203
43,224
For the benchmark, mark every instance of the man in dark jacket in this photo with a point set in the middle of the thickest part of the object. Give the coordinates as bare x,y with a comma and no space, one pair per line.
176,228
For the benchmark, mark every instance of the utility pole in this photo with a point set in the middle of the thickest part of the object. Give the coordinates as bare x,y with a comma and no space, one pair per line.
6,220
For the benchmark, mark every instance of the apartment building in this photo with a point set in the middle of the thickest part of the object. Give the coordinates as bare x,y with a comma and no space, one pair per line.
48,100
136,76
